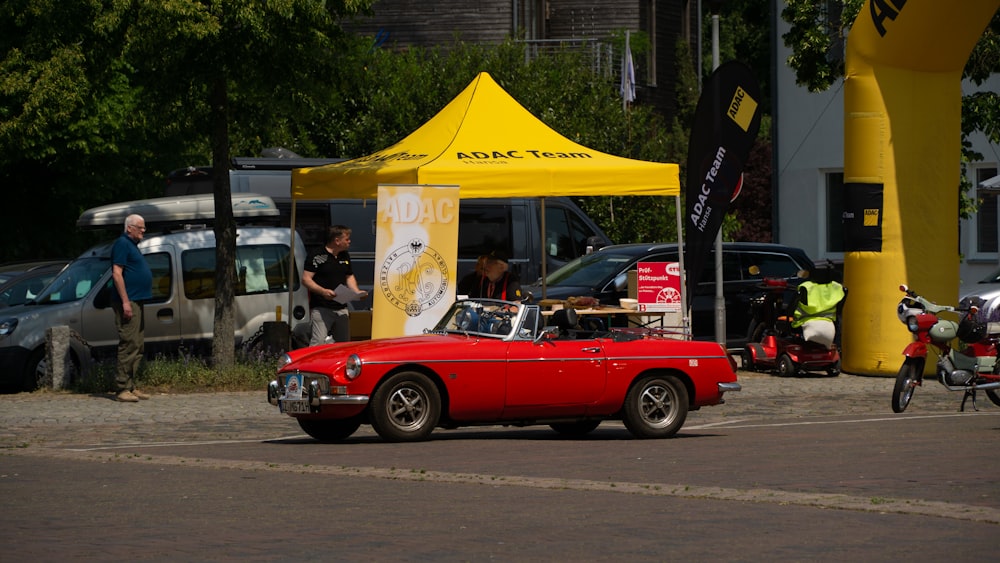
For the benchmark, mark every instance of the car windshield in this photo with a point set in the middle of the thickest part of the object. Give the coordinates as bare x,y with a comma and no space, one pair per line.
589,270
75,281
482,316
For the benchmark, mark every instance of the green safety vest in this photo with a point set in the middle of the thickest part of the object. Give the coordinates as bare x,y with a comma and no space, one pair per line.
820,302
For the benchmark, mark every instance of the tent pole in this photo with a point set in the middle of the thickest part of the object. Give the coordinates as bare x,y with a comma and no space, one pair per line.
545,273
291,268
685,311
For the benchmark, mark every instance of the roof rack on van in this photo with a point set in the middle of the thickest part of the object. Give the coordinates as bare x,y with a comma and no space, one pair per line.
247,207
258,163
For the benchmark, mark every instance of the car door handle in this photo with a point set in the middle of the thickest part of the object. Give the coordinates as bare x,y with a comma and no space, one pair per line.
592,349
165,314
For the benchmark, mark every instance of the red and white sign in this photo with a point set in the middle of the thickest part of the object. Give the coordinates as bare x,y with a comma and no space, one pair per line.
659,286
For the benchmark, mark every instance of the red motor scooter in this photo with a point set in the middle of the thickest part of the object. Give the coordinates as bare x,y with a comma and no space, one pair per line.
969,367
792,335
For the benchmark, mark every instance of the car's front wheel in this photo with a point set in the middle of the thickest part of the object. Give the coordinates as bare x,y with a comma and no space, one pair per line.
656,407
330,430
405,408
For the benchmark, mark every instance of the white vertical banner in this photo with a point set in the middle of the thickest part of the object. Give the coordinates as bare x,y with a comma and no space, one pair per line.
416,255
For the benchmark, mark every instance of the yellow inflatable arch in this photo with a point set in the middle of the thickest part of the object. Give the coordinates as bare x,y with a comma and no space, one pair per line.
902,118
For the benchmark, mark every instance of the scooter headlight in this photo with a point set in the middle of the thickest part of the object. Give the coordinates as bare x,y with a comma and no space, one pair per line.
912,324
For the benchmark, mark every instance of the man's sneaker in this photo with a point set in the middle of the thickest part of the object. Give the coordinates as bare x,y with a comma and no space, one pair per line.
140,394
126,397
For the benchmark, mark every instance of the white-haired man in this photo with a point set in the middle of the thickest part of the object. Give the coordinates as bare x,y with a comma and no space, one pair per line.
133,286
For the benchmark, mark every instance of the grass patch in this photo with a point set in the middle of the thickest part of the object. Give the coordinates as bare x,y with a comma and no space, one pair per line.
185,374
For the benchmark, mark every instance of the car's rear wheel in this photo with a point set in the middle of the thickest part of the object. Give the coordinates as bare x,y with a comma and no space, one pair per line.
577,428
330,430
656,407
405,408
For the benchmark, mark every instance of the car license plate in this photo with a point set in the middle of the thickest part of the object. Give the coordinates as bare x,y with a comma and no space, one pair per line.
295,407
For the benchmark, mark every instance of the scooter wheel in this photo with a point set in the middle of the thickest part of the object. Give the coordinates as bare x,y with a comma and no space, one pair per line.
748,363
786,367
906,381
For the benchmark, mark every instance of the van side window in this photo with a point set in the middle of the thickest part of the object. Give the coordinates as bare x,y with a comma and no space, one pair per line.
159,264
360,216
482,229
565,234
259,269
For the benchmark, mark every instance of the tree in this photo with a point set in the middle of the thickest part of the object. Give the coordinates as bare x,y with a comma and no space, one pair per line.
246,66
124,81
74,132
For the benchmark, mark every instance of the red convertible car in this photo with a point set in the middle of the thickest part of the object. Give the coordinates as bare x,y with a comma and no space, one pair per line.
501,363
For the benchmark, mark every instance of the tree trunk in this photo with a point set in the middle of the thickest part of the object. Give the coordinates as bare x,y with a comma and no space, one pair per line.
223,343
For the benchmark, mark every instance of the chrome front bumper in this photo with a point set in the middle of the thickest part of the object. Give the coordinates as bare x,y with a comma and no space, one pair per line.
314,396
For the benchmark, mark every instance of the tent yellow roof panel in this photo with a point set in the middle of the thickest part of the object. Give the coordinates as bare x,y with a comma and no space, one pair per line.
486,143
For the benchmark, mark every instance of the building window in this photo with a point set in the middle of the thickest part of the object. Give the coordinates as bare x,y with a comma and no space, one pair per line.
834,212
987,233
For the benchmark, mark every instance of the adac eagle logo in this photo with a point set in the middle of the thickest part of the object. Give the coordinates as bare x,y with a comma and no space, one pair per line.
414,277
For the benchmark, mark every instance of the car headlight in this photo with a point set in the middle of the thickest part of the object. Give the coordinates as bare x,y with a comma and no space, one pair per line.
352,369
284,360
7,326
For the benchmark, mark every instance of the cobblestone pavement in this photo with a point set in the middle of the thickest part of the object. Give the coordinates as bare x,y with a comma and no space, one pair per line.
58,418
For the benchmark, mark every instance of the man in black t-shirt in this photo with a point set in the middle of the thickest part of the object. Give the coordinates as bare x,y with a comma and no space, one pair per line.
326,269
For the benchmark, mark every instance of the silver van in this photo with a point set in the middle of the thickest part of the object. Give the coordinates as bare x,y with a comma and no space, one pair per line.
181,313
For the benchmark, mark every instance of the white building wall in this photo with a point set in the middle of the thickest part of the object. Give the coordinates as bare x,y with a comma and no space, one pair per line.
810,142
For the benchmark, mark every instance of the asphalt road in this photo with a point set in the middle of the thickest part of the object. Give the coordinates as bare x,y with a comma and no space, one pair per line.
811,468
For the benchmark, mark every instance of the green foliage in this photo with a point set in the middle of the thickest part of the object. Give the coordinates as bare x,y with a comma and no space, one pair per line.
811,38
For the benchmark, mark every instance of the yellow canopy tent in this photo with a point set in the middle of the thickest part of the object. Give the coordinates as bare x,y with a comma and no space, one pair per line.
486,143
489,145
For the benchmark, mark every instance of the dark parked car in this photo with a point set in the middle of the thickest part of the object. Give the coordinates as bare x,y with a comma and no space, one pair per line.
10,270
604,276
27,285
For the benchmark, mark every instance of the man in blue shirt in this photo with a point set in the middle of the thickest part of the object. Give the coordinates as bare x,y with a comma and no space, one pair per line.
133,286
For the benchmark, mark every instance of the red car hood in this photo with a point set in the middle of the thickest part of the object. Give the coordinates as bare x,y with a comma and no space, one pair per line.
423,347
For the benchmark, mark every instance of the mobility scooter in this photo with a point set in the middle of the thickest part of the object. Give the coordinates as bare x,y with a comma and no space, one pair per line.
795,330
